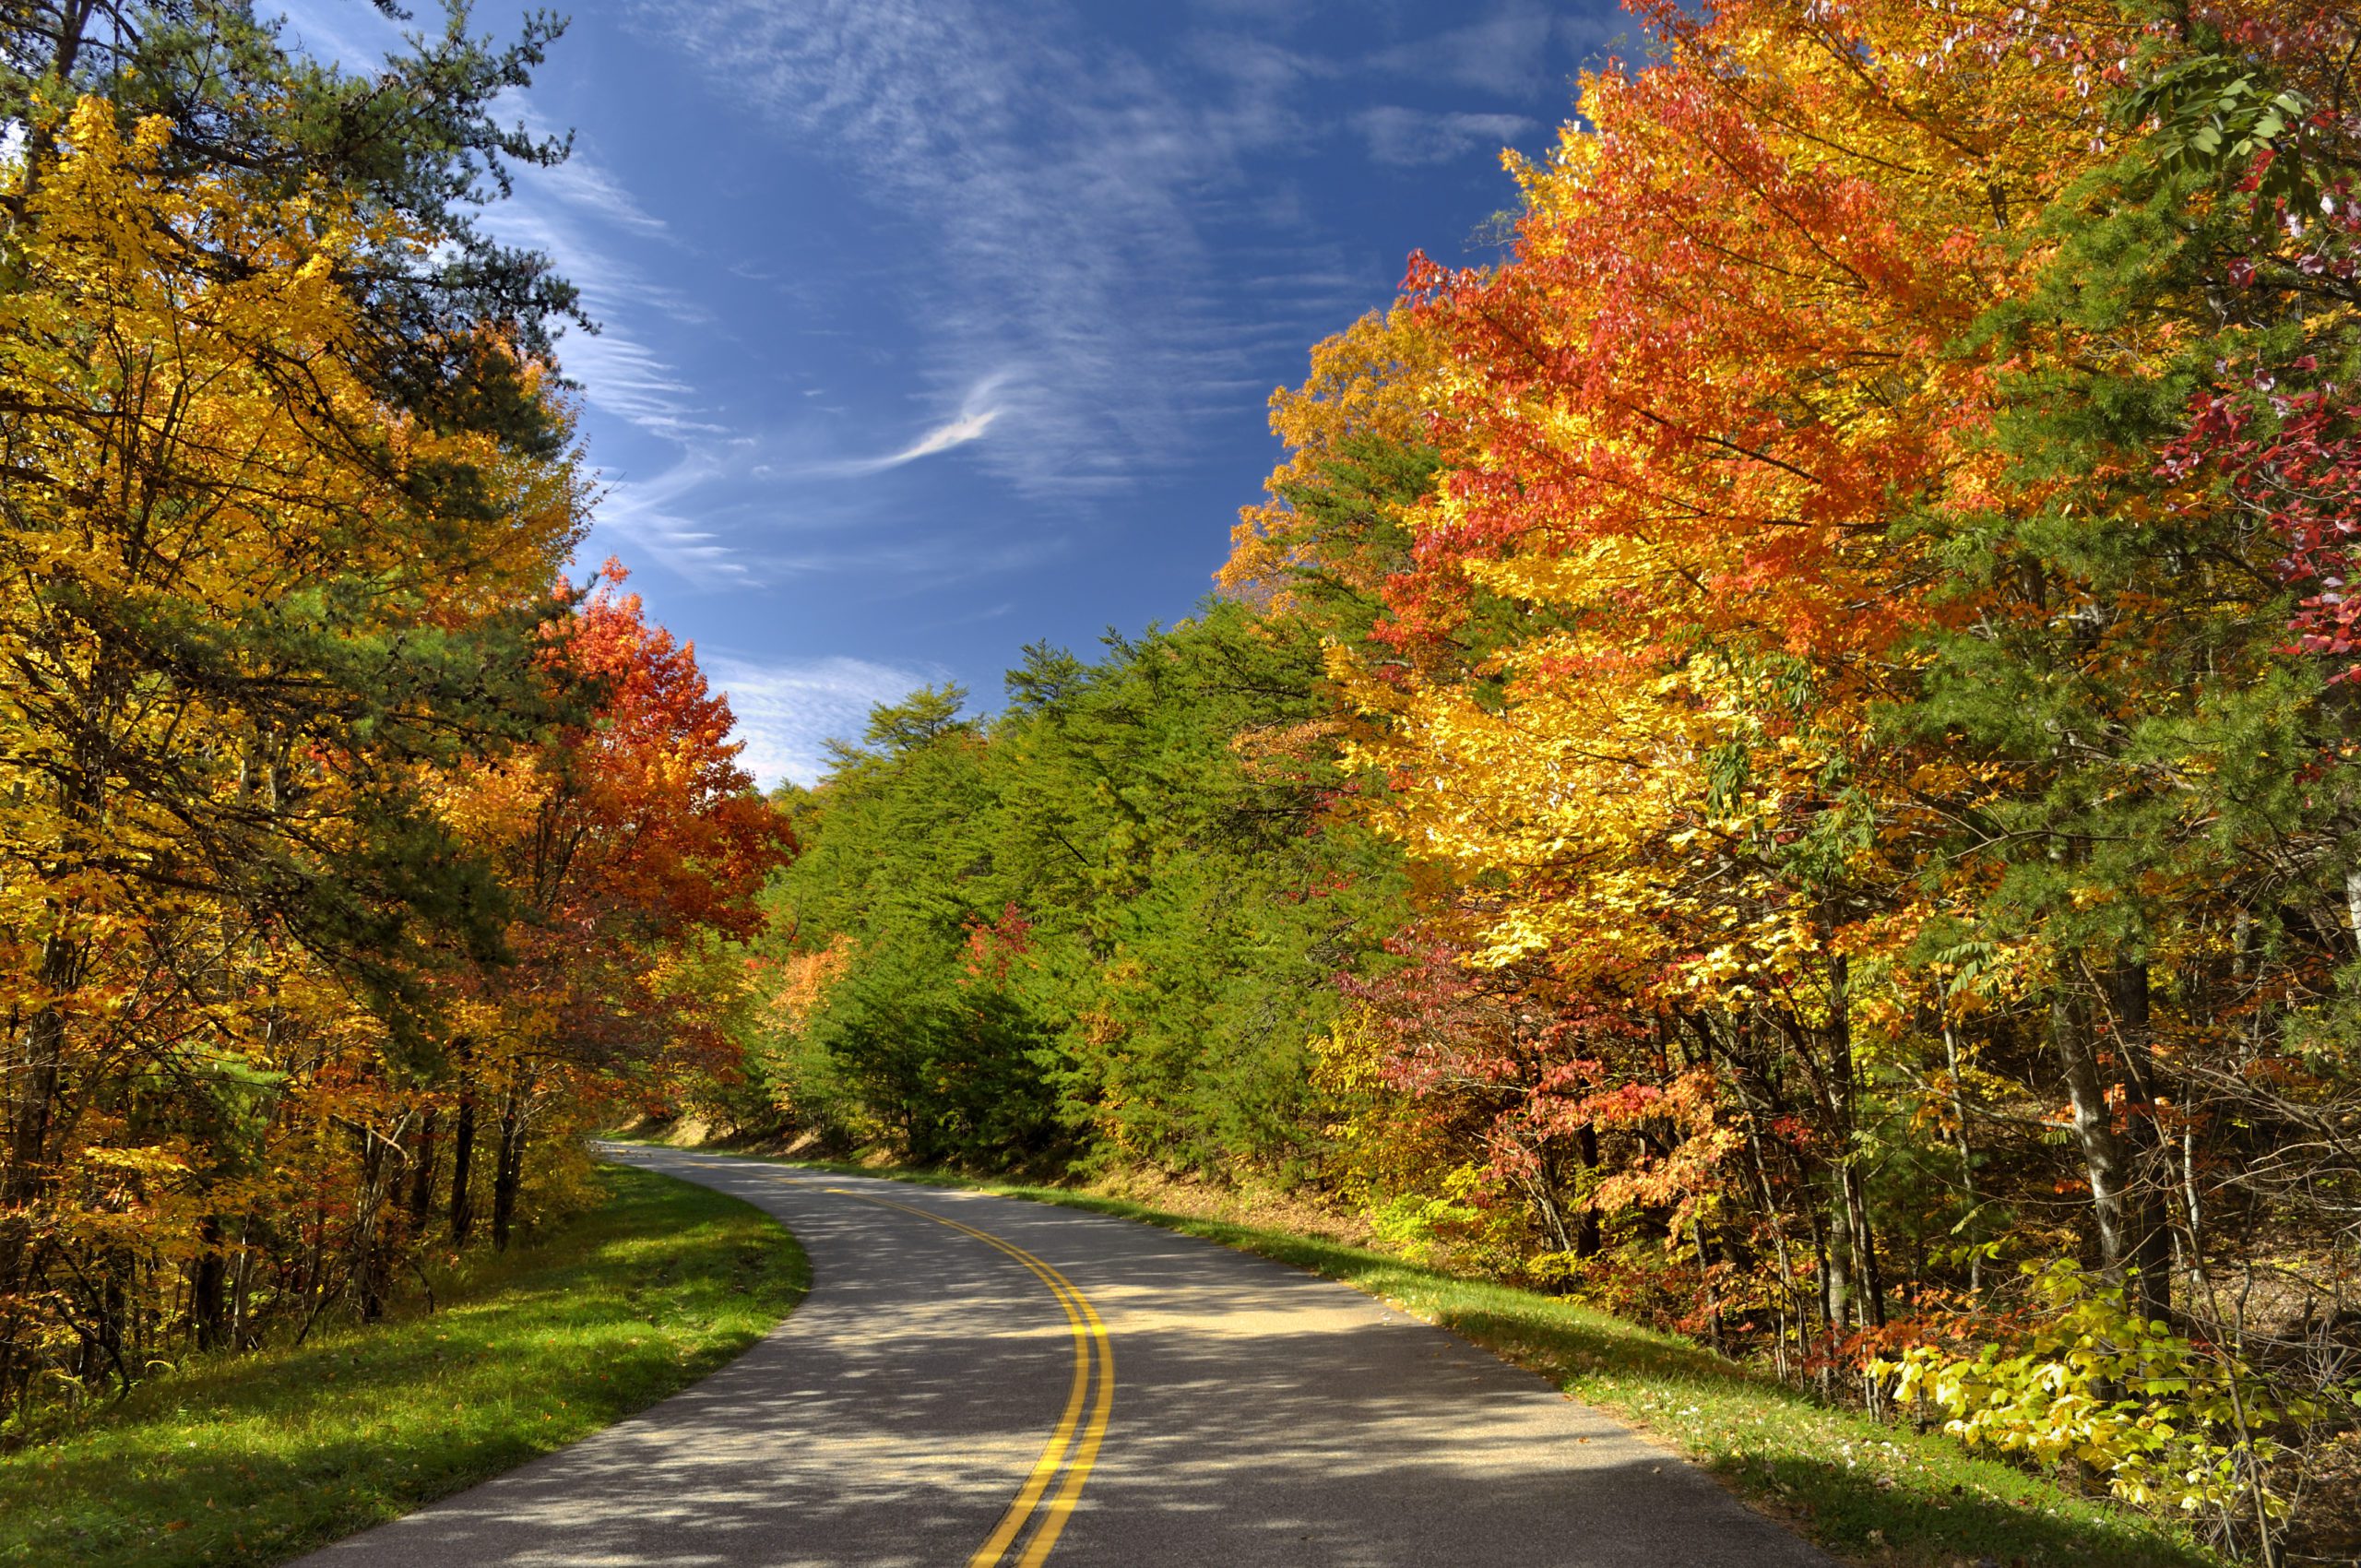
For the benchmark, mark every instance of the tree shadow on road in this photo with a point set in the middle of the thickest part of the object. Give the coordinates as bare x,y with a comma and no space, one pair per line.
1872,1491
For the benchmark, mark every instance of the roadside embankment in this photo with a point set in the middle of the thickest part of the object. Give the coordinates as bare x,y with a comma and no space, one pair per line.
253,1459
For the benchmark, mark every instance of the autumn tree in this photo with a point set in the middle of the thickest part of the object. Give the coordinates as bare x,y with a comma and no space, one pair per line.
287,488
631,843
1871,637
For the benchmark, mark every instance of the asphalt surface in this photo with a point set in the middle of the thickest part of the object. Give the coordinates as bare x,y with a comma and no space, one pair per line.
939,1399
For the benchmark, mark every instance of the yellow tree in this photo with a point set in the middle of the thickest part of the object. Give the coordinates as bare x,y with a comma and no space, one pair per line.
250,607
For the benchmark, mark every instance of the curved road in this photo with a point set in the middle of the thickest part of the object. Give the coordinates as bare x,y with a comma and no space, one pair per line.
944,1397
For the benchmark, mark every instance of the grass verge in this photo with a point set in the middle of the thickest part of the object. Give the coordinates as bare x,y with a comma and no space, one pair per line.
1869,1493
253,1459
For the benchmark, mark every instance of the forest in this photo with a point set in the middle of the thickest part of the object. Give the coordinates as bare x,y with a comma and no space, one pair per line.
355,856
1774,760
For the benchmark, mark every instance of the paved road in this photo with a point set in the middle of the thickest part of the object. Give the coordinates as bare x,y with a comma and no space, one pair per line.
942,1399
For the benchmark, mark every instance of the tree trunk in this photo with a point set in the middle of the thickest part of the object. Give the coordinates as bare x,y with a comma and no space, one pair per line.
1868,1277
508,1169
421,1176
1966,1158
73,22
30,1078
1705,1276
371,1247
1586,1215
463,1160
1835,1288
1865,1266
2147,1213
2102,1152
208,1303
33,1077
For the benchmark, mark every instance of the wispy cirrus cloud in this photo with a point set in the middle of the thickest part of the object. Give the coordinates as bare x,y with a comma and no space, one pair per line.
1063,185
659,516
788,712
1515,50
596,232
744,512
943,437
635,382
977,412
1409,138
590,187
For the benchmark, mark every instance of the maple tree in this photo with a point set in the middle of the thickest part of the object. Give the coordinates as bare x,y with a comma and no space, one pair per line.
1682,425
1891,702
631,843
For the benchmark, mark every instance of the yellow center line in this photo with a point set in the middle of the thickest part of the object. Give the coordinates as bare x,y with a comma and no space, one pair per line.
1085,1457
1083,1321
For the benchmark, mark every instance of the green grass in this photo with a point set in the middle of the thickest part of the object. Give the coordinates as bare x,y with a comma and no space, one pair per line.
1869,1492
253,1459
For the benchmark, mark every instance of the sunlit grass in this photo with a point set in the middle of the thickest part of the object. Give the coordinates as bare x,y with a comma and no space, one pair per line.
1867,1490
255,1458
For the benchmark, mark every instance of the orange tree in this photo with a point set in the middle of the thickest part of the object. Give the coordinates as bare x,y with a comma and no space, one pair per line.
632,845
1856,627
1681,420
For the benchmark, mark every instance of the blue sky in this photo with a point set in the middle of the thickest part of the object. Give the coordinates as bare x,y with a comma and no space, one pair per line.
933,327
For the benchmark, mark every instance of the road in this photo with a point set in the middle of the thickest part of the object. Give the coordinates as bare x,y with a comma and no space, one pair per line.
982,1380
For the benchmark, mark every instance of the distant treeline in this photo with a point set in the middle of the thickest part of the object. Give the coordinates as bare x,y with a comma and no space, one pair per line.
1107,925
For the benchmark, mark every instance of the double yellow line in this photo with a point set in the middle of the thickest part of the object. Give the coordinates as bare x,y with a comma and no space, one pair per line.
1071,1432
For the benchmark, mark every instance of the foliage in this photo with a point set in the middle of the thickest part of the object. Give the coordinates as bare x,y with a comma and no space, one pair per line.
337,816
2163,1420
1847,621
1102,926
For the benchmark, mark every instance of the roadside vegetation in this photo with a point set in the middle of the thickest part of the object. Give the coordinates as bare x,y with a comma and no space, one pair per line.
360,847
251,1459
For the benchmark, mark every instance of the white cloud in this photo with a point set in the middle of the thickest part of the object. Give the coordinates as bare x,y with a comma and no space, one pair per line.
748,511
943,437
624,377
1063,186
352,38
653,515
584,219
976,415
1411,136
588,187
1507,52
786,711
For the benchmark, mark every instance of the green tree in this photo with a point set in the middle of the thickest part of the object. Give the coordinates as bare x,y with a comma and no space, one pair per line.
1106,924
